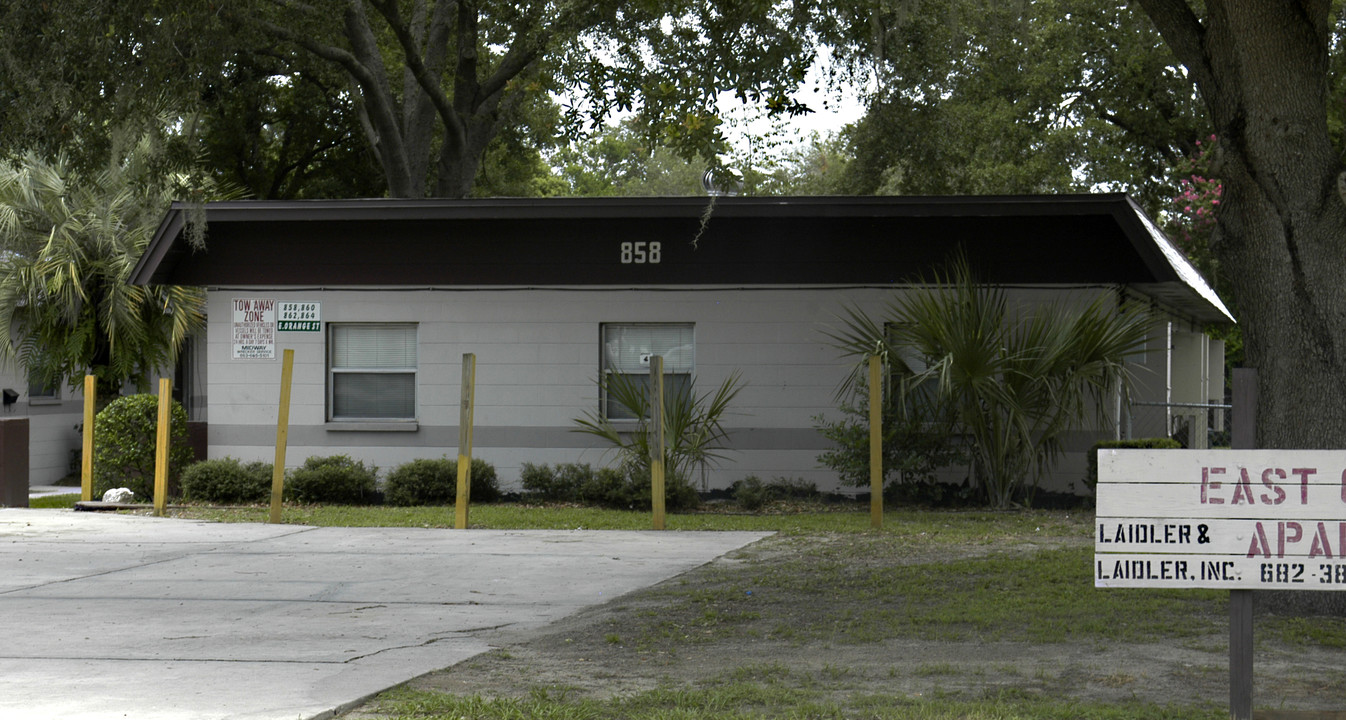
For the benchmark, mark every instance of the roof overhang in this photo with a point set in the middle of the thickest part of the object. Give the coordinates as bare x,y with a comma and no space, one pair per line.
514,242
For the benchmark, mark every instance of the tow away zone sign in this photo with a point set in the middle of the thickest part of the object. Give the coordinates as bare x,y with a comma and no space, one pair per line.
1226,519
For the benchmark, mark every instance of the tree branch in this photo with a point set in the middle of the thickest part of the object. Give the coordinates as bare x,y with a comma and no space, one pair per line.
1185,36
427,75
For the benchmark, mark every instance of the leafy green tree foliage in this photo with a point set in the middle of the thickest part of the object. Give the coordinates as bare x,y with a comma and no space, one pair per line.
70,240
283,125
74,71
975,96
621,161
1014,383
429,84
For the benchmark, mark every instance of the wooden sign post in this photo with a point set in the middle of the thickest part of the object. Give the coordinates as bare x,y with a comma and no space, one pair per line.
875,443
282,437
656,440
465,441
161,446
86,459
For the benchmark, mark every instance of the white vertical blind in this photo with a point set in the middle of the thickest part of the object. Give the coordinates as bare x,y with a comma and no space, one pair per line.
627,349
373,346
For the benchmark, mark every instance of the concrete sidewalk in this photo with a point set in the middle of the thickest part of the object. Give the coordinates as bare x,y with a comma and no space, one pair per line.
111,616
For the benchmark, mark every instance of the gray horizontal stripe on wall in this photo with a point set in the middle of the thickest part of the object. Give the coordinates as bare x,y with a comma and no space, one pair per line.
65,407
489,437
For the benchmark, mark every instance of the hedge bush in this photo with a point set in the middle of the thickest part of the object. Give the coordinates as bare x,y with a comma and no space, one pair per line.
435,482
1091,473
125,435
623,489
333,479
752,494
227,481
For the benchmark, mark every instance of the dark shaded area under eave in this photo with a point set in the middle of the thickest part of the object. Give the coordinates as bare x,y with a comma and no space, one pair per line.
748,241
732,251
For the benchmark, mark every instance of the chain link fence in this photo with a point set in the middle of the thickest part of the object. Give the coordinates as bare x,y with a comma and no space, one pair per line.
1194,425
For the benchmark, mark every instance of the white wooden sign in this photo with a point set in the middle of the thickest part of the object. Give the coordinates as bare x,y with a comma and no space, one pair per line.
299,317
254,328
1227,519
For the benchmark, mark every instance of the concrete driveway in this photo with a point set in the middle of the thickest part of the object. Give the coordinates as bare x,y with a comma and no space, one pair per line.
112,616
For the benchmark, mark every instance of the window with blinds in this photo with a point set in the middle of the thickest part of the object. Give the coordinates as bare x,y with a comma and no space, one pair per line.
627,349
372,371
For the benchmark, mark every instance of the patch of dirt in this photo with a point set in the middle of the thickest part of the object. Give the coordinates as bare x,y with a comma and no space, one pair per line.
689,630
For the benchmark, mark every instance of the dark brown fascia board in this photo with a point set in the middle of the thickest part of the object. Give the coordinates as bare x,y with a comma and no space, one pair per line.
1168,262
166,236
168,242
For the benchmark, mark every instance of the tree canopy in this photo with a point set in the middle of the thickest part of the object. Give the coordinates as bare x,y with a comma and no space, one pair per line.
68,242
974,97
429,85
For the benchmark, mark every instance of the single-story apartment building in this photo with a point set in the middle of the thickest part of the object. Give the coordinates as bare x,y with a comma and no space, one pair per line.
380,299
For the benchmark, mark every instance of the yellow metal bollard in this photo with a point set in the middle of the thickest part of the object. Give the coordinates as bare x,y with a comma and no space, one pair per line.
875,443
86,462
656,439
465,441
282,436
161,447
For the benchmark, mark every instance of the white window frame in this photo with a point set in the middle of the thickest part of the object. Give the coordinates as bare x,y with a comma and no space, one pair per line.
335,370
623,349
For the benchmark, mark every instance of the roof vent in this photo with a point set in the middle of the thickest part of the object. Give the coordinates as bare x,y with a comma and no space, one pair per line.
722,181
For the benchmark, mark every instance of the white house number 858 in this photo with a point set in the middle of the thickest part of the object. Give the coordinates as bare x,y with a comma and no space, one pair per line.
642,252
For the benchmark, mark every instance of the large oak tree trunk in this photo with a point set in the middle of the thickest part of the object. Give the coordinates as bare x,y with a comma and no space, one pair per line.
1261,68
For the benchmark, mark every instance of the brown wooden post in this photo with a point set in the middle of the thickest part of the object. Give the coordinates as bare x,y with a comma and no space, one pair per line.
1243,436
656,440
86,461
282,436
875,443
464,496
161,447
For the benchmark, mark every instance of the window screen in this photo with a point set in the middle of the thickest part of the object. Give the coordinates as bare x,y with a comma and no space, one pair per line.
373,371
627,349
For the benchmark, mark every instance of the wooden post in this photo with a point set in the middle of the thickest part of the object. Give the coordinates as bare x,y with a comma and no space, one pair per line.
465,441
875,443
86,460
1243,436
282,436
161,447
656,440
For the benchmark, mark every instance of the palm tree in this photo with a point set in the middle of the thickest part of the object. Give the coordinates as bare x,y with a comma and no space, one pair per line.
68,244
1015,383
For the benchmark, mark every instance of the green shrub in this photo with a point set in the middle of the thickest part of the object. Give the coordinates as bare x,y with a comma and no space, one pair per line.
623,489
125,435
435,482
1091,473
562,483
335,479
227,481
752,494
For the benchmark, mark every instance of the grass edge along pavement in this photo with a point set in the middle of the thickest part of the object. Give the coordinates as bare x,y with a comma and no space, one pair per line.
1017,576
